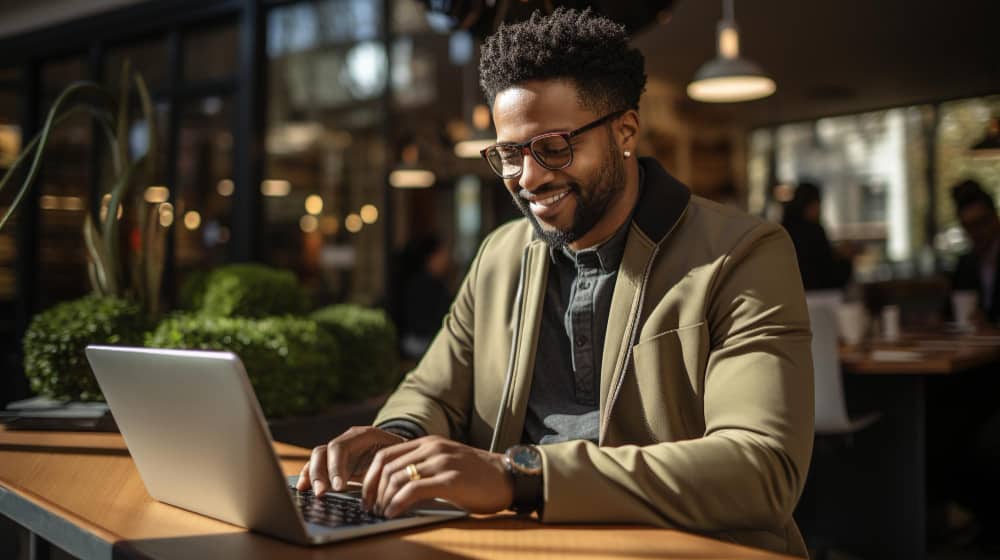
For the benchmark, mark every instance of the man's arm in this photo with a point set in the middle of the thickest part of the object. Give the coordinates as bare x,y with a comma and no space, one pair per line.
749,468
436,397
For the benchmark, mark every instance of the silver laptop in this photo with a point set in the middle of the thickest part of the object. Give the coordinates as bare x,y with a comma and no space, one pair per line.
194,427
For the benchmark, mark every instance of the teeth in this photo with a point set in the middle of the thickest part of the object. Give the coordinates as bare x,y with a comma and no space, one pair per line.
551,200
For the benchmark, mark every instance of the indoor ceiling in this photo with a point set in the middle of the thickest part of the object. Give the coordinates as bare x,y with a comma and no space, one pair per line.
834,57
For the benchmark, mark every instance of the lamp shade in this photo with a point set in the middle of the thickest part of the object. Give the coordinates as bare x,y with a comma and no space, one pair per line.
730,80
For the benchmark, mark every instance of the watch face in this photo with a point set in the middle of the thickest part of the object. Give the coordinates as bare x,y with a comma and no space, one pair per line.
526,459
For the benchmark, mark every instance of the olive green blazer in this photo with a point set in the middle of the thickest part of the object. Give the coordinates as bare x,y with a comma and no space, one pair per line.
706,401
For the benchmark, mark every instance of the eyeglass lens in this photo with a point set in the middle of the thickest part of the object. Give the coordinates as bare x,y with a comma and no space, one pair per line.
552,152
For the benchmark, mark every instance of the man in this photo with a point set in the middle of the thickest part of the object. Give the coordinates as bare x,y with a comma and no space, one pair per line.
642,355
979,269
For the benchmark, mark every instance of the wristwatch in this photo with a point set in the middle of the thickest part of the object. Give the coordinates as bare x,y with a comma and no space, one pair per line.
524,463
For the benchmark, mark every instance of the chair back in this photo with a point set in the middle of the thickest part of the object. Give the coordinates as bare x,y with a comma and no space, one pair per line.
831,407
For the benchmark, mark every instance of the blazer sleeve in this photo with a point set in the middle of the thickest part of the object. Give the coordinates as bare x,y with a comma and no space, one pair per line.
749,468
437,394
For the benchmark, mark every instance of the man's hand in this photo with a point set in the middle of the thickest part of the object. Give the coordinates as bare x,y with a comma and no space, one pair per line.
345,457
470,478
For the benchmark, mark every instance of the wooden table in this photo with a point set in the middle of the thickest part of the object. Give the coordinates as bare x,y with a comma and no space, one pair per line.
81,492
879,505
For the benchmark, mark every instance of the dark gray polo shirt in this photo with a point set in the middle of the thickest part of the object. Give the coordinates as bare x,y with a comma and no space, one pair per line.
565,387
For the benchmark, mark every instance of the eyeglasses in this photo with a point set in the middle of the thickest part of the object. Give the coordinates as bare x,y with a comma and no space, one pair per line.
551,150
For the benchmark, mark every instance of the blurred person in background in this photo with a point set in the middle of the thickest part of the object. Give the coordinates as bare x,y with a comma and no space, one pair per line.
424,297
979,269
821,267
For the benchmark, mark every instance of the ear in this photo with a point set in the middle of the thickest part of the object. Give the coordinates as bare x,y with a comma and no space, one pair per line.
627,131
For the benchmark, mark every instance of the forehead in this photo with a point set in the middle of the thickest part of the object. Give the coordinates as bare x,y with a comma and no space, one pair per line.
531,108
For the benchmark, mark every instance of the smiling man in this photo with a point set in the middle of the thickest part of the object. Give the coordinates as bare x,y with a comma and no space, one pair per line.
627,353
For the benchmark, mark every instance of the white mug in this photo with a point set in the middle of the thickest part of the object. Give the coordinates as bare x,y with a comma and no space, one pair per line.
852,318
964,304
890,323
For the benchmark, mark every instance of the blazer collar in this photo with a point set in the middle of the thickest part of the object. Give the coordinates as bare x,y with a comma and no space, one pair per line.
661,202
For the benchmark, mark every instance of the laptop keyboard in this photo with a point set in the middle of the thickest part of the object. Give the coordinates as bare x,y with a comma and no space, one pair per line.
333,510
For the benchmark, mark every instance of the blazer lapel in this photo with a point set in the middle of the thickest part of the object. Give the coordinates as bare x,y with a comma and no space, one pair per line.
622,319
532,301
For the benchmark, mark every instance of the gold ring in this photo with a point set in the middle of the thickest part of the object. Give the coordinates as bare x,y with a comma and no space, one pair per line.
411,470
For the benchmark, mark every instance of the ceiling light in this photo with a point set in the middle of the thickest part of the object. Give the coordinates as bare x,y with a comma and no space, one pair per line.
314,204
471,148
192,220
275,187
412,178
353,223
225,187
728,78
369,214
156,195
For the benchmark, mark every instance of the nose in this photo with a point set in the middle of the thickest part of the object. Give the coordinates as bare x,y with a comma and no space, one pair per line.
533,174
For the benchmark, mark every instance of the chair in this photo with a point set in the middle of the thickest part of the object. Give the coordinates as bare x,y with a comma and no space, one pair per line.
831,407
820,521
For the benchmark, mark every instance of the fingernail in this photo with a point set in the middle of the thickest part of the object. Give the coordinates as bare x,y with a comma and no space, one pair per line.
317,486
338,483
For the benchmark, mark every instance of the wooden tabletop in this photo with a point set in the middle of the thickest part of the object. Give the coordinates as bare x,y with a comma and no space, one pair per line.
926,353
82,492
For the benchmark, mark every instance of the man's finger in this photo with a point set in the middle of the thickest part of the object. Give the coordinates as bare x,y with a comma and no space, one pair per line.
303,483
426,459
317,470
372,481
416,491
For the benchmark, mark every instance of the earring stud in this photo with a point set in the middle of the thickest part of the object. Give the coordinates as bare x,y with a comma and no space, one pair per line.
628,154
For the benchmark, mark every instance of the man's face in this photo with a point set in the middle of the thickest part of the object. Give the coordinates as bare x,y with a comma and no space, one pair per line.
564,205
981,224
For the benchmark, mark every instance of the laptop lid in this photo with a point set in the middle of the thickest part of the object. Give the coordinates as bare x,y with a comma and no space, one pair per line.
197,435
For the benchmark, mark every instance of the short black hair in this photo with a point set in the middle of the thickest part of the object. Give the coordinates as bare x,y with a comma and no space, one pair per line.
588,49
969,192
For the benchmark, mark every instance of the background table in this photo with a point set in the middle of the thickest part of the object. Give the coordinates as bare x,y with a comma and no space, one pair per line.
874,486
81,492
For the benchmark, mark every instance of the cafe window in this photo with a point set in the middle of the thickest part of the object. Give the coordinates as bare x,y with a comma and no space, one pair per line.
210,52
204,188
64,192
872,171
10,147
323,189
148,57
963,123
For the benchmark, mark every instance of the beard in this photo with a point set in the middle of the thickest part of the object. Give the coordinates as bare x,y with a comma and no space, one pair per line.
592,201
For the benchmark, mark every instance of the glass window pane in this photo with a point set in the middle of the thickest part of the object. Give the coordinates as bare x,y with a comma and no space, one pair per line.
64,196
210,53
149,58
10,146
325,170
59,73
871,168
963,123
204,186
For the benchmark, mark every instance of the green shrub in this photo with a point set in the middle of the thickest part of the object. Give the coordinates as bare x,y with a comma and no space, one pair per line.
248,290
54,359
367,340
291,362
191,295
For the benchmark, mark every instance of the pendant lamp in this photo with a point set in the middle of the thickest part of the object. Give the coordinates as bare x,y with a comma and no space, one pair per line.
728,78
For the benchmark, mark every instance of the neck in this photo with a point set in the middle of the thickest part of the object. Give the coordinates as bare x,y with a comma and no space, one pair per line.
617,213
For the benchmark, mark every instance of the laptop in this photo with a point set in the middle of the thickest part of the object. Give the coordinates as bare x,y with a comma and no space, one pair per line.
196,432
